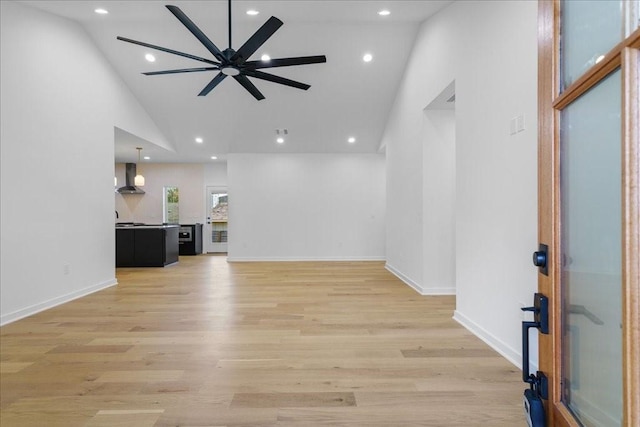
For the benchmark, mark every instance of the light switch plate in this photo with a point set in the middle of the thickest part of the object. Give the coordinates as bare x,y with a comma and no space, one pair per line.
513,126
520,123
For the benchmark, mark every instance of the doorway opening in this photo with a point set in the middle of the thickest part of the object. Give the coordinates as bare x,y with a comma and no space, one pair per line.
439,194
216,229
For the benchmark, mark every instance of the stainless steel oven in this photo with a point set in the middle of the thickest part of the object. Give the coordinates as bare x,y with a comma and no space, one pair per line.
185,233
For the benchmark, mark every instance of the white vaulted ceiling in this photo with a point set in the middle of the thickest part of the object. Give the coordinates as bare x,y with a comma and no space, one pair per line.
348,97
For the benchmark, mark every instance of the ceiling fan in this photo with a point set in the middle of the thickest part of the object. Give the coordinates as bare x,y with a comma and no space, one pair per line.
234,63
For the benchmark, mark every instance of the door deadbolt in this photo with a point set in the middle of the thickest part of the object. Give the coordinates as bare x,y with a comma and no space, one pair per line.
541,258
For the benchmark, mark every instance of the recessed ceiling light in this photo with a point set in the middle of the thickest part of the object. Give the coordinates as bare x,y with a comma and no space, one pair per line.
367,57
265,58
280,140
199,140
351,140
252,12
147,158
101,11
214,157
384,12
149,57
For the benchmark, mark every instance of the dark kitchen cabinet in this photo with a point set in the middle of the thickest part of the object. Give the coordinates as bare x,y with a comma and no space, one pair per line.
146,246
125,244
190,239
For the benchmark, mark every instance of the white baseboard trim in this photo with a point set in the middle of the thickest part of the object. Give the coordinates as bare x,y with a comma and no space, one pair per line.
513,356
407,280
301,259
440,291
422,290
45,305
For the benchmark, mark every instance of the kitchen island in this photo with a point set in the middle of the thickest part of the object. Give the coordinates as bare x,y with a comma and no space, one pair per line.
146,245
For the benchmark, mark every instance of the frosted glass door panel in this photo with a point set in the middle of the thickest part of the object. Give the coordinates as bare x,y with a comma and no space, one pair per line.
590,170
589,30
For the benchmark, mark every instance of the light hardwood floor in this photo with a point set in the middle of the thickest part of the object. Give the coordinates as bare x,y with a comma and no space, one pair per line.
211,343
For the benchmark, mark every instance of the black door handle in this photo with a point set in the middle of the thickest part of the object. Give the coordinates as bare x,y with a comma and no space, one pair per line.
540,311
526,376
538,384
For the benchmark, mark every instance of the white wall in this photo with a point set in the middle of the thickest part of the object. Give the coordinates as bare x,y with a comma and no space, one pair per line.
60,101
306,207
215,174
148,207
438,202
404,225
490,49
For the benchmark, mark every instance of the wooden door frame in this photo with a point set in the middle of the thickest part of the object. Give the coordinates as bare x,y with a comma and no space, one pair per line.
550,102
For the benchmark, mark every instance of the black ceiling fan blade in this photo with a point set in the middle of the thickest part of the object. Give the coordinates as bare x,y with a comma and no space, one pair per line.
256,40
244,81
182,70
213,83
191,26
286,62
276,79
164,49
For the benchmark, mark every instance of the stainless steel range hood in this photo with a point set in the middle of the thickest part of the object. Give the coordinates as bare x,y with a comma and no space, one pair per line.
129,188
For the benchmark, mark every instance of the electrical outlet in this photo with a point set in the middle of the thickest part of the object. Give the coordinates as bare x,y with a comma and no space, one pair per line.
66,269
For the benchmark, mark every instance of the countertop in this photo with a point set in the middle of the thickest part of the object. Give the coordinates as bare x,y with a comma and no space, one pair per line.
131,226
